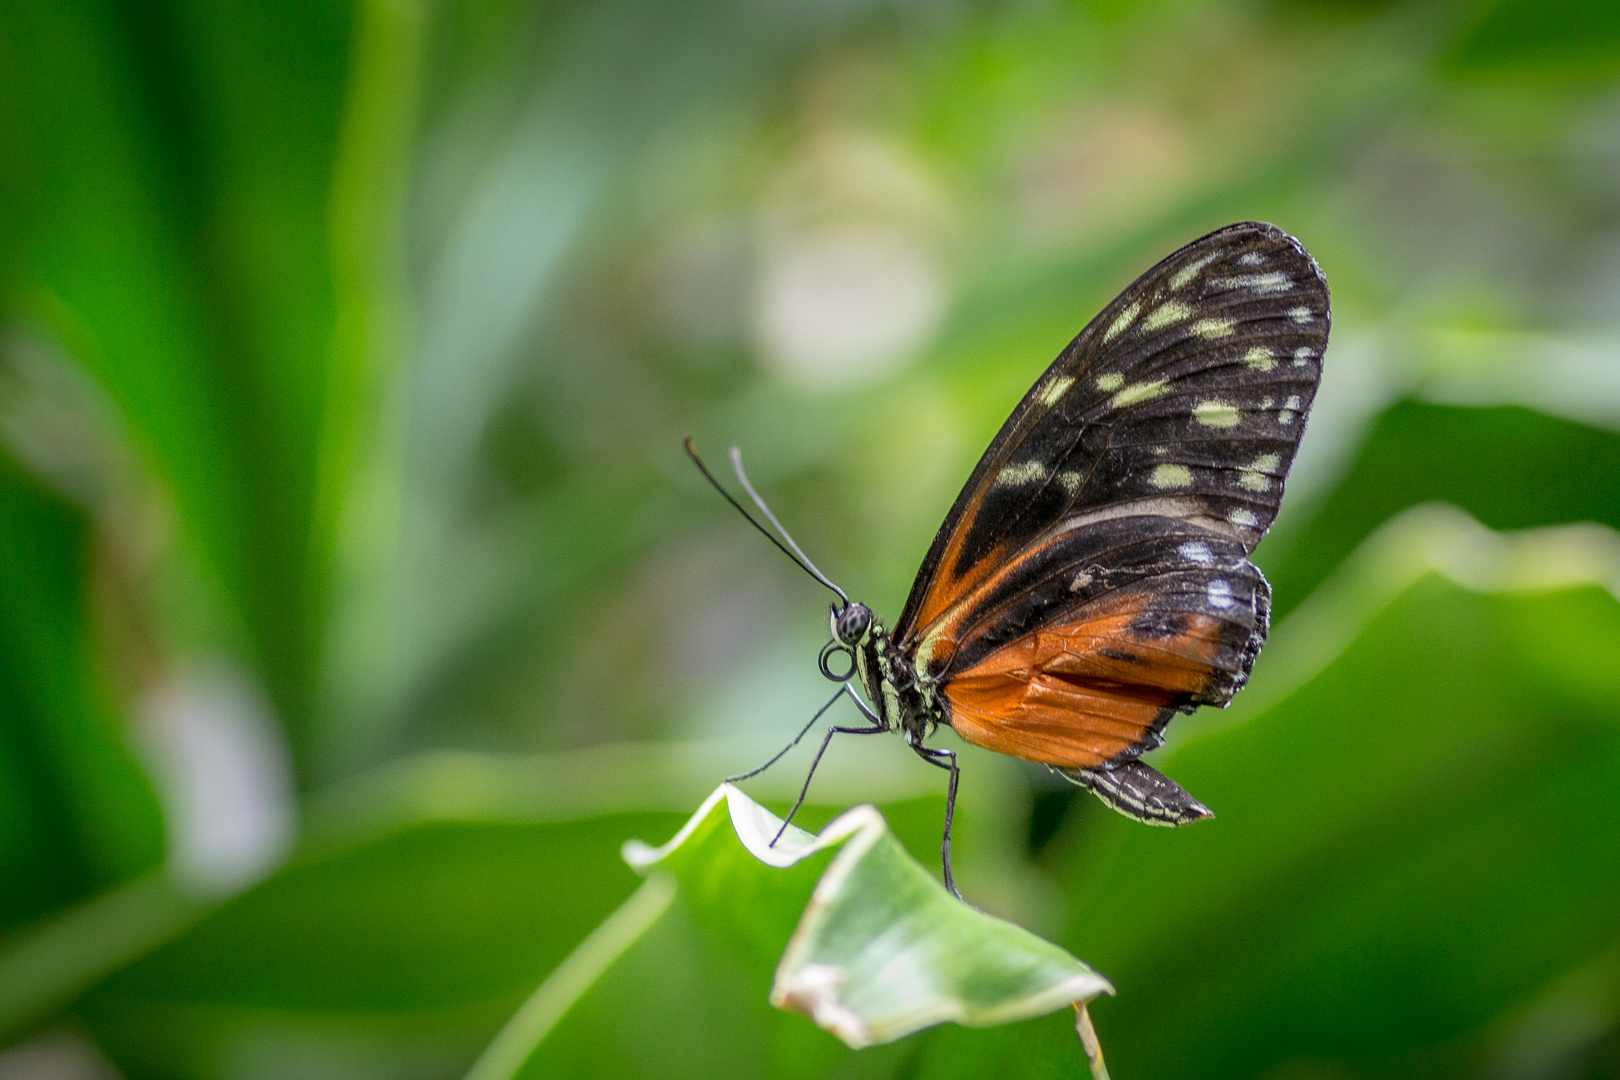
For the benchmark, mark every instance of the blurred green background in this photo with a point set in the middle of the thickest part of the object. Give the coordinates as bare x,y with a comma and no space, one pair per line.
357,602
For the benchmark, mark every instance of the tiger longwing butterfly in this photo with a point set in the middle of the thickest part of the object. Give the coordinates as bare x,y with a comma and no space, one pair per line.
1093,579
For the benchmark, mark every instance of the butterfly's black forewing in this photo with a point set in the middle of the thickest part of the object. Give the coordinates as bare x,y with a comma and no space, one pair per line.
1185,398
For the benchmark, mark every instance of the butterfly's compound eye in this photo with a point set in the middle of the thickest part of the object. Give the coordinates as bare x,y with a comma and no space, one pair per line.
850,625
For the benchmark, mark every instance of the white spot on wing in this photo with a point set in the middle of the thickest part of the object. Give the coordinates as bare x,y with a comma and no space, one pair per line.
1153,506
1243,517
1260,358
1118,326
1171,311
1025,472
1055,389
1274,282
1212,412
1290,409
1196,551
1110,382
1081,580
1300,315
1220,594
1165,477
1302,356
1138,392
1253,258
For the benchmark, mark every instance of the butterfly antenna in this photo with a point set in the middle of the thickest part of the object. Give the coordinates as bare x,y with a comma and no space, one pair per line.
736,466
804,563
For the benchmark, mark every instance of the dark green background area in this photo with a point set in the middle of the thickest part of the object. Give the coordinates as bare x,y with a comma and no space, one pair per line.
346,351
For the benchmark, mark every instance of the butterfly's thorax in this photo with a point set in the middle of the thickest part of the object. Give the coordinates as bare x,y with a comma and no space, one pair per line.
903,701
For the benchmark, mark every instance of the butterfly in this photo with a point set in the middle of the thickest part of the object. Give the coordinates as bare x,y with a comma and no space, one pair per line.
1092,579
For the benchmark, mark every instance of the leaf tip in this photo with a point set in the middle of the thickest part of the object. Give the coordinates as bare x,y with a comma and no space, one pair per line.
814,990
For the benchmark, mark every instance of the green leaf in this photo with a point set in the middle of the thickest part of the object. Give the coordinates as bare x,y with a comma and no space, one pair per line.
882,949
76,813
1584,34
171,184
875,948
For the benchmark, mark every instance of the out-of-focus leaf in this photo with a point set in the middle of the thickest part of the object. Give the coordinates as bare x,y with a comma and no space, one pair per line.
1407,845
52,963
1509,467
76,813
879,950
171,186
1521,33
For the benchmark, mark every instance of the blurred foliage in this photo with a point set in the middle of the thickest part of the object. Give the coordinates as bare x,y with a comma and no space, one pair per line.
356,600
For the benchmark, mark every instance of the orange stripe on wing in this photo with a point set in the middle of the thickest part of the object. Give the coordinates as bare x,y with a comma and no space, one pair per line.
948,589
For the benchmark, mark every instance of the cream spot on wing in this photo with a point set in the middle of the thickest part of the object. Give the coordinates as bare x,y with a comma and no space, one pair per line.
1302,356
1071,481
1160,451
1081,580
1289,410
1055,389
1196,551
1025,472
1118,326
1190,271
1220,594
1171,311
1110,382
1260,358
1266,463
1250,480
1165,477
1300,315
1243,517
1213,412
1265,403
1138,392
1210,329
1253,258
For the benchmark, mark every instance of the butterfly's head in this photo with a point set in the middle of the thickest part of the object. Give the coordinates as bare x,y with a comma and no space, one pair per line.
851,623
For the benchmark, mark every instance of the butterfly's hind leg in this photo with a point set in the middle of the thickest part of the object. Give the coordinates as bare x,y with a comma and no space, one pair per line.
1139,791
945,759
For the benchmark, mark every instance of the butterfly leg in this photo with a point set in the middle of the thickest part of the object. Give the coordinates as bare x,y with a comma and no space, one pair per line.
802,733
945,759
813,765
